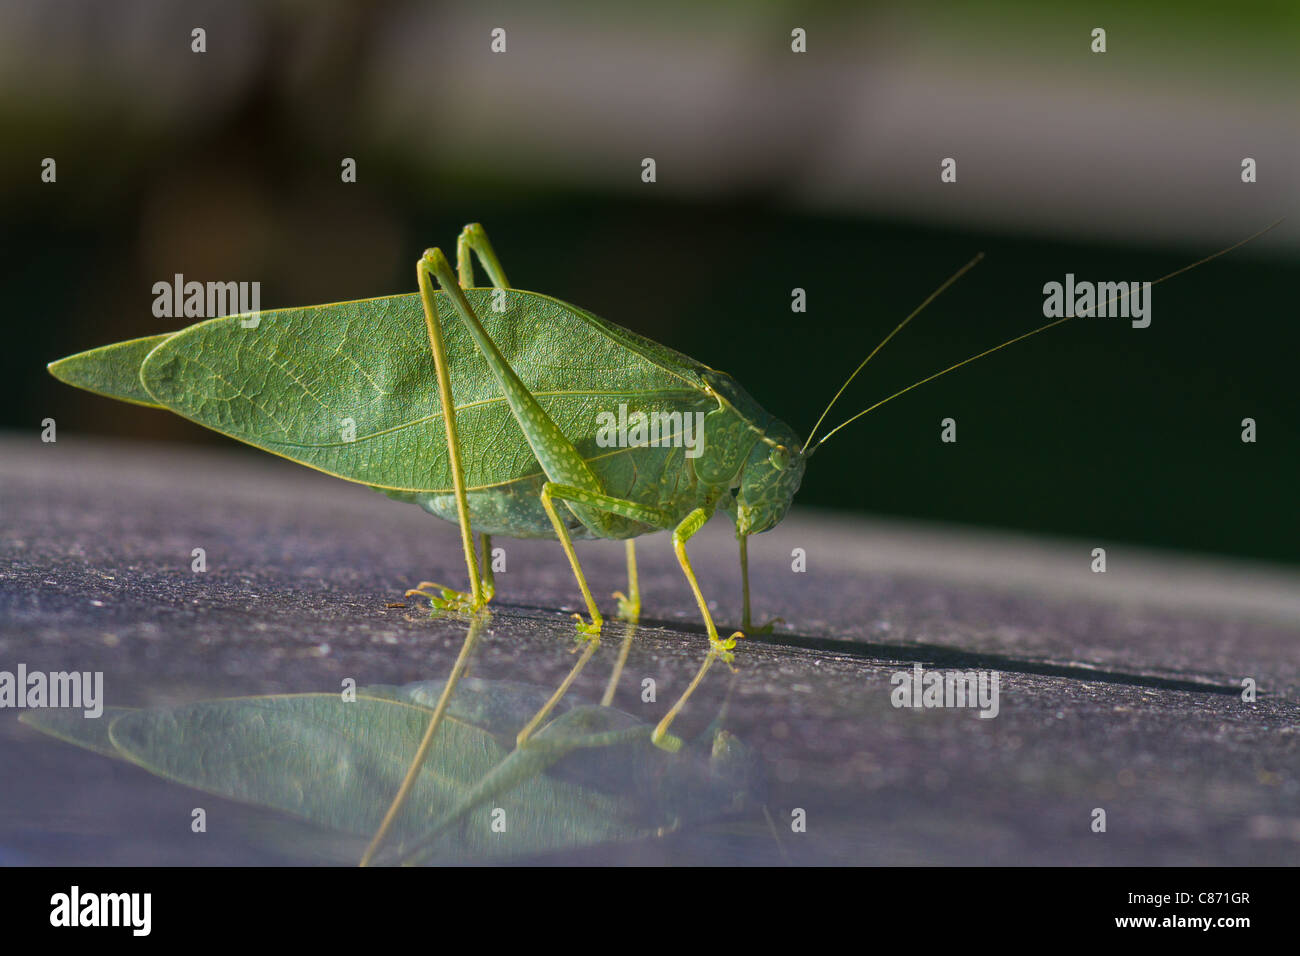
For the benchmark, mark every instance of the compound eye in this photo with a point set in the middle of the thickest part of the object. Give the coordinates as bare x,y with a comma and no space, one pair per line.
779,458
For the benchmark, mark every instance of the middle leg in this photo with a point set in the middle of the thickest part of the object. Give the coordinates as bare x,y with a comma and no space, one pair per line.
551,492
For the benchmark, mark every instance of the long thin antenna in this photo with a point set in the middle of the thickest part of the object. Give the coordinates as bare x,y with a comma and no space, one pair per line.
915,312
1200,262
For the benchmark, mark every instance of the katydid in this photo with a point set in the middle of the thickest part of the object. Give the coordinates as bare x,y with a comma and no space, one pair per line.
350,389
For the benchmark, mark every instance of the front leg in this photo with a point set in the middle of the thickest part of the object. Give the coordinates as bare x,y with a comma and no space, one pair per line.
746,624
718,648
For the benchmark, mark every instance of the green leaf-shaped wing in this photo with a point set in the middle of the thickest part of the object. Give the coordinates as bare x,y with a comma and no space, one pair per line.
113,370
349,388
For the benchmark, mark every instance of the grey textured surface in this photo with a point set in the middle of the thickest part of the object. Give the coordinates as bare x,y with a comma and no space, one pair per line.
1119,691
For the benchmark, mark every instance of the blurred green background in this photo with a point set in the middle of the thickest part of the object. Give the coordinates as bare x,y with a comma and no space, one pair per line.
775,170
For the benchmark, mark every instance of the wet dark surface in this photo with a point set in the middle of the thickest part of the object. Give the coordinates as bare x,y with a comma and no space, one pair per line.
1119,691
